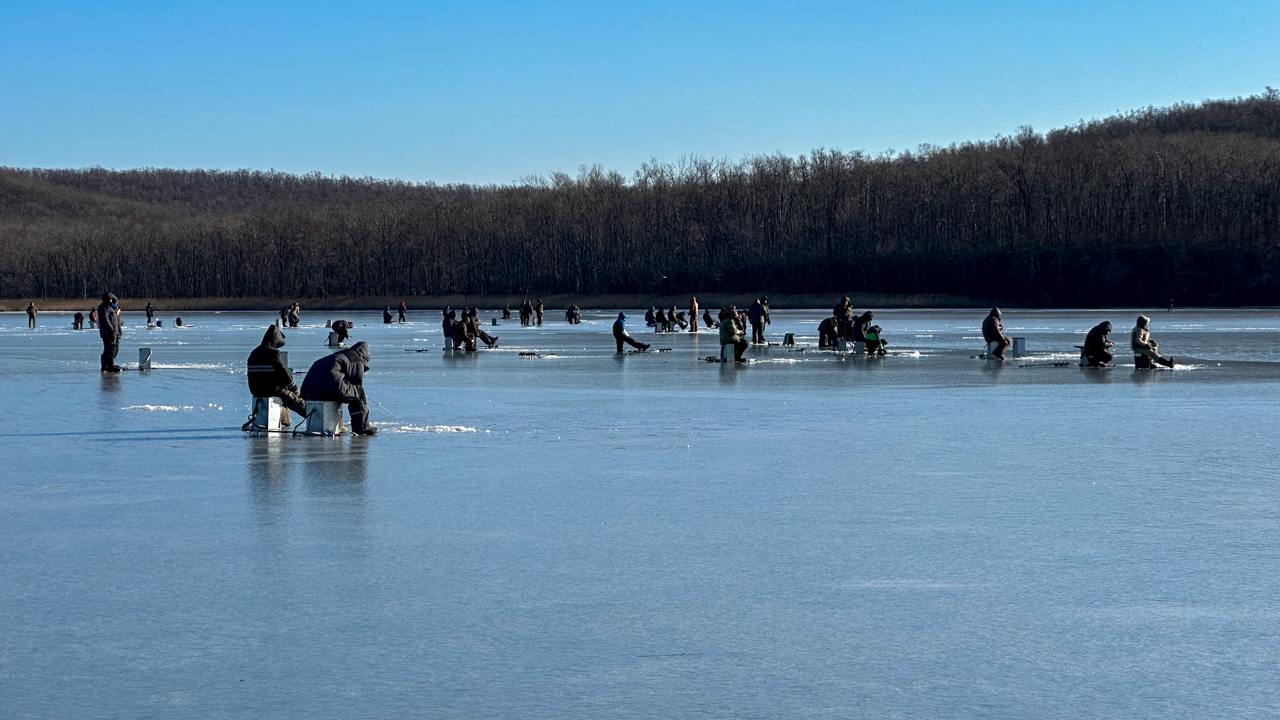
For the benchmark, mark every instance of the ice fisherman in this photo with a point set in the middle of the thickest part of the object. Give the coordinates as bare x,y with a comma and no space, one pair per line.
993,334
1145,348
269,377
620,335
1097,345
339,377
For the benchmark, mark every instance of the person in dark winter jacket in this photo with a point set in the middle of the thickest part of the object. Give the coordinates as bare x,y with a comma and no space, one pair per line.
77,321
340,378
269,377
676,318
295,315
404,312
386,316
709,321
151,313
31,314
539,310
446,326
862,326
109,330
993,334
827,330
620,335
506,312
758,315
342,328
1097,345
651,317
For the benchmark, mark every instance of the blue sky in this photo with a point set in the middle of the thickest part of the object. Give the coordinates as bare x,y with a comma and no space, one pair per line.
493,92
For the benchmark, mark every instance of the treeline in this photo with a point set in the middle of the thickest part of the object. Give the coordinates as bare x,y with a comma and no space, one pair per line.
1178,202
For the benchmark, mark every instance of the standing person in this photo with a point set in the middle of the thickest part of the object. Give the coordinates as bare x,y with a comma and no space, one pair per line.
151,314
109,330
340,378
1145,348
539,310
31,314
93,318
404,311
731,333
1097,345
993,334
693,313
757,314
269,377
620,335
284,315
446,326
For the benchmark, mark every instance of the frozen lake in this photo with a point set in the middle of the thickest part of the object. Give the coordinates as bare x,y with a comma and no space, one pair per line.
580,535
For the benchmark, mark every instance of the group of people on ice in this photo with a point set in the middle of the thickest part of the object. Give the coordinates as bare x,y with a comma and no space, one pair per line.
1096,351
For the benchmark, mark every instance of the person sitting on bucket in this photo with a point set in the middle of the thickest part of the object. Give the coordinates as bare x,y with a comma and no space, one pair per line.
731,333
993,334
340,378
1097,344
620,335
268,376
386,315
1145,349
709,321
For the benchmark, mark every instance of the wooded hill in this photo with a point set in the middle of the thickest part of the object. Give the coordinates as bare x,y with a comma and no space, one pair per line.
1178,202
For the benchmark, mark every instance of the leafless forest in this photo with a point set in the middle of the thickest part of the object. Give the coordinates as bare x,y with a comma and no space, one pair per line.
1176,202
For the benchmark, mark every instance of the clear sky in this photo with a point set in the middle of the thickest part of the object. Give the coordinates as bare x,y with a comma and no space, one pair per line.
496,91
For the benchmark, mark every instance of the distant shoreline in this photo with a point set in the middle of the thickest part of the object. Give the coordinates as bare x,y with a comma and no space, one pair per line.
551,302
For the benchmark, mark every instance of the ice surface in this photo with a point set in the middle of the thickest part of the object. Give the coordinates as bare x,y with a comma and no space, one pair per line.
584,536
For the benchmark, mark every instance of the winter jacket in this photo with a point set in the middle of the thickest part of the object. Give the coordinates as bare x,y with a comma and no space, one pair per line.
339,376
1140,339
1096,340
992,329
108,320
757,314
267,371
729,332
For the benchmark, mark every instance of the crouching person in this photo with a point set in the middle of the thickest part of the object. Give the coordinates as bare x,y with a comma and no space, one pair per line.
1097,345
1145,348
268,376
340,378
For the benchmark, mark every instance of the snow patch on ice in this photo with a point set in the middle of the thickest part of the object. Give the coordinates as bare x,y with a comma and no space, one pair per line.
433,429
